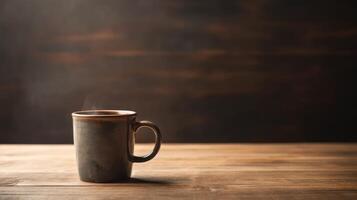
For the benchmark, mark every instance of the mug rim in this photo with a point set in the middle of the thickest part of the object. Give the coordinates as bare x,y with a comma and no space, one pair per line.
103,113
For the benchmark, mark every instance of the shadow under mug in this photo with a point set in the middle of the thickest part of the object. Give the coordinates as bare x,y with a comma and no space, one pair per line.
104,142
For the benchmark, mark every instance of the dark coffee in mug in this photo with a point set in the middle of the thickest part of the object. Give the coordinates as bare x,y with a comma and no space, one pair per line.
104,142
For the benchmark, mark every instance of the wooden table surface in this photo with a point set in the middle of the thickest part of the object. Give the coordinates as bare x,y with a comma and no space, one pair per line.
191,171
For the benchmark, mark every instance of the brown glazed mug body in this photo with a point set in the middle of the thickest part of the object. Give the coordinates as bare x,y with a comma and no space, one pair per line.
104,142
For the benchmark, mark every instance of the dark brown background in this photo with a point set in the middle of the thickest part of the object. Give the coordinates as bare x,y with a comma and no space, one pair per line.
204,71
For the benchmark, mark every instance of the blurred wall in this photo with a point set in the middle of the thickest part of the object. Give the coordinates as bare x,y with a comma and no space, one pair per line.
204,71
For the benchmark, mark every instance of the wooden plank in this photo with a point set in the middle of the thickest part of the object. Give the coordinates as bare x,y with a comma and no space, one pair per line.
279,65
187,171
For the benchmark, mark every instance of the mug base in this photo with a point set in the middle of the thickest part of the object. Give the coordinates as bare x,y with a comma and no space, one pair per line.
116,180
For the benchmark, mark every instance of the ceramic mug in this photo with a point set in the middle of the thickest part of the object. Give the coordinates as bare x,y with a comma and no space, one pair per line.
104,142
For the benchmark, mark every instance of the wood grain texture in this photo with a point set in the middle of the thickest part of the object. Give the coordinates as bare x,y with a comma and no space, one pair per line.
277,67
189,171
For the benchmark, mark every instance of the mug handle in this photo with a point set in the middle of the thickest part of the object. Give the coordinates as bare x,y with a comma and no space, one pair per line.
156,149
